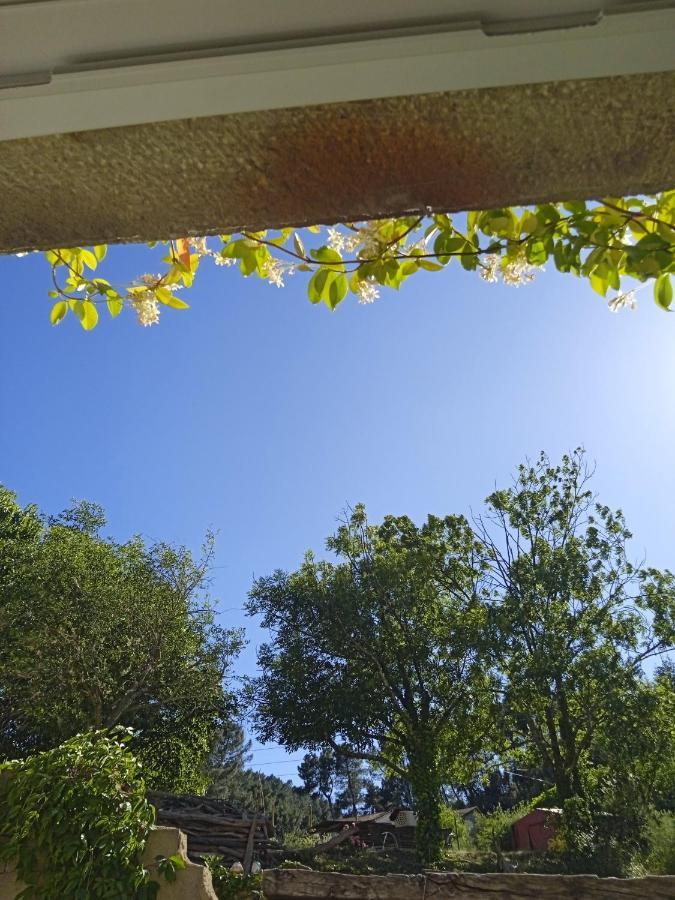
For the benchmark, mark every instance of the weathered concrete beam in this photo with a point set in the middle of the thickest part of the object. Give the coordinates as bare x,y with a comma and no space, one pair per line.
279,884
476,148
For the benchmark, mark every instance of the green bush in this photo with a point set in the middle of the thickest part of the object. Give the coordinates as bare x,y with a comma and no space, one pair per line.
493,830
301,840
603,837
453,823
660,859
75,820
230,885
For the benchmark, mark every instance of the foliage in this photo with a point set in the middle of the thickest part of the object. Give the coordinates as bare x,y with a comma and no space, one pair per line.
230,885
390,638
493,830
577,619
289,808
318,772
75,820
96,633
660,859
454,824
603,241
504,786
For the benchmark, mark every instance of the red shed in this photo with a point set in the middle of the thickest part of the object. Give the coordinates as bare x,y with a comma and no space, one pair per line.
535,830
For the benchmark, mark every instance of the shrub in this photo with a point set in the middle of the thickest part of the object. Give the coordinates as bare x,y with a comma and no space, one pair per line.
660,859
493,830
75,820
230,885
458,832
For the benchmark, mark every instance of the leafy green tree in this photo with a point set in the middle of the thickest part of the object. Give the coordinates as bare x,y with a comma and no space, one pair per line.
576,618
318,772
603,241
96,634
379,655
352,779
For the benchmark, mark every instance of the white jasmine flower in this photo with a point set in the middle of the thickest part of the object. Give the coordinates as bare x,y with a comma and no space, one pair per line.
367,290
223,260
518,271
489,268
274,272
626,299
336,240
370,240
198,244
146,308
352,241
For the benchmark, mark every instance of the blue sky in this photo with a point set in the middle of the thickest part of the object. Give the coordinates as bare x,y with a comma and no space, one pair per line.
262,416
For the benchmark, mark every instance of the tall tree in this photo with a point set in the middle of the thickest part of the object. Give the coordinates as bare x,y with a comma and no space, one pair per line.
318,772
96,633
379,654
576,618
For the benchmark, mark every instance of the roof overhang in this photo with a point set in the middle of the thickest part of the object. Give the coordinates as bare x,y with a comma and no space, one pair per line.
371,114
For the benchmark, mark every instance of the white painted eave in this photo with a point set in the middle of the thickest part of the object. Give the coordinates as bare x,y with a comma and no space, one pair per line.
335,68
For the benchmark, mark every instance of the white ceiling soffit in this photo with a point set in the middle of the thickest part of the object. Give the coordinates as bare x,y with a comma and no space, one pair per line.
74,65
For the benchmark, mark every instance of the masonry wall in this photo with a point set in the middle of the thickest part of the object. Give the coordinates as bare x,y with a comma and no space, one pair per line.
280,884
192,883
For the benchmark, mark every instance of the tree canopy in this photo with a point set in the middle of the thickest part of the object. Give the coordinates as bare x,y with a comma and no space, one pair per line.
575,617
97,633
604,241
379,654
450,654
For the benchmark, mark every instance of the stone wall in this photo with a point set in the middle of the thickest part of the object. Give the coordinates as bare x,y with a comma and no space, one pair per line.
280,884
192,883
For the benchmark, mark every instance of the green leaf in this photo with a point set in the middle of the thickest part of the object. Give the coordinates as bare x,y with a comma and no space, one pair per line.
337,290
663,292
298,245
86,312
445,245
88,258
429,265
115,306
166,297
58,312
327,255
317,284
500,222
599,284
100,251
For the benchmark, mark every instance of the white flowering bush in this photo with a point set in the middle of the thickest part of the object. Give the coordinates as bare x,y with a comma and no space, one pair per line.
603,241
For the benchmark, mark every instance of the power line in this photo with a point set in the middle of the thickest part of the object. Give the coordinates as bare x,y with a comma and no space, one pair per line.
277,762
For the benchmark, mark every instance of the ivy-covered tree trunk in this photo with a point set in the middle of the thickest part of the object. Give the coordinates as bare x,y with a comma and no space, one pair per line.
425,781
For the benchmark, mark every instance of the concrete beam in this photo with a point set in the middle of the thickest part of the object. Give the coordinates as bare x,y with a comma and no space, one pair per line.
476,148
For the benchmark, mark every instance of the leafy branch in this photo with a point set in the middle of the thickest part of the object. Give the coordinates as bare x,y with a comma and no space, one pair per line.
603,241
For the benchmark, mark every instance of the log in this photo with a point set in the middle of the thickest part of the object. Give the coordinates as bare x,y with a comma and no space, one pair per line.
294,884
248,855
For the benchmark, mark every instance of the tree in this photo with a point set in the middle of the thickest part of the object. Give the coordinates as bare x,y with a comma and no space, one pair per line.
96,634
318,772
379,655
288,807
576,618
603,241
352,778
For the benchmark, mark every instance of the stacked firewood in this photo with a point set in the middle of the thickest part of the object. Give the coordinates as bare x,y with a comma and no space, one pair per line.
214,827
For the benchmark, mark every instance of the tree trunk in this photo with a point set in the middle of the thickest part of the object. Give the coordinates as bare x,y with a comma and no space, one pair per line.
426,786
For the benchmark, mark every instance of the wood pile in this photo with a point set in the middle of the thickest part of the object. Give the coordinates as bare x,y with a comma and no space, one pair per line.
215,827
